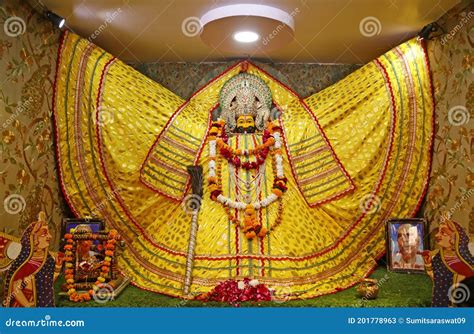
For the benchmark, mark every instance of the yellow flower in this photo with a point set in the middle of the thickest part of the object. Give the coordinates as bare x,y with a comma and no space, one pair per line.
454,145
467,62
8,136
435,193
470,180
22,177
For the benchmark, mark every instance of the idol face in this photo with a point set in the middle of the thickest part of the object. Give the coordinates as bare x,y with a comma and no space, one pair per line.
408,241
245,124
445,236
85,246
43,237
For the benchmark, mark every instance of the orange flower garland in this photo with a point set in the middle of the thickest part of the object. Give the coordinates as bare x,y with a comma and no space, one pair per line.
272,140
74,296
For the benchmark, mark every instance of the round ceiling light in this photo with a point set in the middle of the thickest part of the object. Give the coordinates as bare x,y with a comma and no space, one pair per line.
247,29
246,36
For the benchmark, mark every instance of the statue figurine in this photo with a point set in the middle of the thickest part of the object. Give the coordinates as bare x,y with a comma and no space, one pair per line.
89,259
29,280
449,265
294,189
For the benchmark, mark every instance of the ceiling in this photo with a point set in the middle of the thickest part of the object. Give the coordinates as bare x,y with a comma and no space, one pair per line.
326,31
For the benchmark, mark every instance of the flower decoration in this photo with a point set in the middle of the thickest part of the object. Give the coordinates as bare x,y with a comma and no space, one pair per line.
69,249
234,292
218,142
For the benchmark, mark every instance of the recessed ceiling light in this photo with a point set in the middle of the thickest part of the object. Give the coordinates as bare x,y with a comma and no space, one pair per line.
246,36
247,29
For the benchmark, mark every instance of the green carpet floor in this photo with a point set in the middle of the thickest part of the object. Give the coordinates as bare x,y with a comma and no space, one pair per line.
396,290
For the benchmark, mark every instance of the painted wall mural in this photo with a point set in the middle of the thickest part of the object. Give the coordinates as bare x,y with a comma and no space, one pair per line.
452,64
28,181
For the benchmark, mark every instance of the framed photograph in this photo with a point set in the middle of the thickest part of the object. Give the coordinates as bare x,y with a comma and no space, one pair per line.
89,251
406,244
96,226
90,255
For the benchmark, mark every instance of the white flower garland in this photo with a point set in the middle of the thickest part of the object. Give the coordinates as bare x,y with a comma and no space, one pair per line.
212,156
278,157
239,204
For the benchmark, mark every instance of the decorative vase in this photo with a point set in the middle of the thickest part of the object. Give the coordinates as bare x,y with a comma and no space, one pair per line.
368,288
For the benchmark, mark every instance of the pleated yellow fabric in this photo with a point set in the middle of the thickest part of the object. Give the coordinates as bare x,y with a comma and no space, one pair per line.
124,141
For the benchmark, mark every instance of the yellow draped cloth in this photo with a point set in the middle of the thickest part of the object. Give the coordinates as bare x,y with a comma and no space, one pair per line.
124,142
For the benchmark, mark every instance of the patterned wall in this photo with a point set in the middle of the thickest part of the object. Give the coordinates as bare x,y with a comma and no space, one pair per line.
28,181
452,63
184,78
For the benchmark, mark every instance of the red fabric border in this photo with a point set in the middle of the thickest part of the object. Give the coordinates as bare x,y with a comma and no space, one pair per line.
237,257
171,119
102,163
308,110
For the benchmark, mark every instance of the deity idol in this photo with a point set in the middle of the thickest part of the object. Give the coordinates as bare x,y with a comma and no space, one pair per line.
247,144
244,179
89,260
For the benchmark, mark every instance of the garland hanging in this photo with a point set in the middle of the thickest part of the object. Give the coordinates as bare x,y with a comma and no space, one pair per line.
271,143
69,249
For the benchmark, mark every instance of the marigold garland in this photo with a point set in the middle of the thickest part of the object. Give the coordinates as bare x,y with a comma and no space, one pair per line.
271,143
69,248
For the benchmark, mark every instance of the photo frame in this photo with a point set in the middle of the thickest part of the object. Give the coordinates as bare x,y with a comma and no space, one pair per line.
89,252
96,225
405,241
89,257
